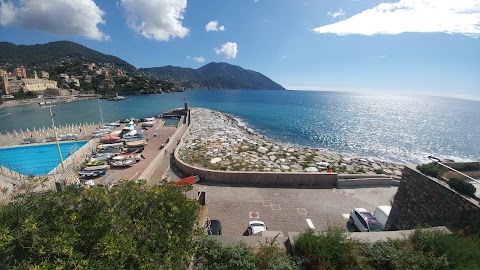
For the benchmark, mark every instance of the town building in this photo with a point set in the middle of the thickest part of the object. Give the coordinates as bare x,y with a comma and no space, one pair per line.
20,72
33,85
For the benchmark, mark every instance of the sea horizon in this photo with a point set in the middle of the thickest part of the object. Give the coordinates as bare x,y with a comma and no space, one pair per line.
395,127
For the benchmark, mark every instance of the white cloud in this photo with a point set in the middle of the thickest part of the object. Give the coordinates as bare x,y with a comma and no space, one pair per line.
284,57
59,17
156,19
213,26
228,50
199,59
338,13
425,16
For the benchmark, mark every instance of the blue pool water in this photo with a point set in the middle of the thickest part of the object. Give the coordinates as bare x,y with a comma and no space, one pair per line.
36,159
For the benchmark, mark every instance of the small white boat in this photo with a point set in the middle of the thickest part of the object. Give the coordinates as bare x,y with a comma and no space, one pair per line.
97,167
149,119
123,163
136,143
100,146
135,156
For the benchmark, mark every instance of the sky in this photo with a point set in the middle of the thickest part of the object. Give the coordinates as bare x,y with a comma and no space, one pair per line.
404,46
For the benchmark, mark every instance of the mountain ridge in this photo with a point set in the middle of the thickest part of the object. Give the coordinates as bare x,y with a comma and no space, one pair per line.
214,75
210,76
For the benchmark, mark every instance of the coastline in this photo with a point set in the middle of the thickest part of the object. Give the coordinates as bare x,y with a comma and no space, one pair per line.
14,103
220,141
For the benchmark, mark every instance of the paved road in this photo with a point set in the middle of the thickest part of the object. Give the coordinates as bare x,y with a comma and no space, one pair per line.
288,210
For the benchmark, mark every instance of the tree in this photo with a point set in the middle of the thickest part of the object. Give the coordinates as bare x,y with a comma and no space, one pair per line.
131,226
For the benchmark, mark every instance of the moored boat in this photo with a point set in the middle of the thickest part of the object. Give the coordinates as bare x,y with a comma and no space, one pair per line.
136,143
97,167
91,173
123,163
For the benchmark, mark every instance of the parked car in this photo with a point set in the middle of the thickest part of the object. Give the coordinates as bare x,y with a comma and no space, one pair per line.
381,214
364,220
215,227
256,226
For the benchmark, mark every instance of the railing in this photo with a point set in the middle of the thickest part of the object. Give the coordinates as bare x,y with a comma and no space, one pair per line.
68,173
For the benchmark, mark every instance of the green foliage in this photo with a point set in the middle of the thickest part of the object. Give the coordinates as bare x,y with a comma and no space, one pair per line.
212,255
461,252
270,256
432,169
466,166
131,226
55,53
462,187
330,250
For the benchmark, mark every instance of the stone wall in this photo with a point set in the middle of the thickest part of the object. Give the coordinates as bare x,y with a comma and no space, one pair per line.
422,200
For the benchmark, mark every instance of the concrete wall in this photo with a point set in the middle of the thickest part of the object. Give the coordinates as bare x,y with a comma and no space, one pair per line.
160,159
422,200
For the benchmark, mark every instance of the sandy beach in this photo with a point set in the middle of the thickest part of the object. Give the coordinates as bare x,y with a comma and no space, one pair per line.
217,141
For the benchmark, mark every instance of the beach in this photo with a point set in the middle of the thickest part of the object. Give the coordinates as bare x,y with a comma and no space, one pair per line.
220,142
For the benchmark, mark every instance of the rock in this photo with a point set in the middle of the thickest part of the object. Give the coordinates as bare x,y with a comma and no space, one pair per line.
323,164
397,172
272,158
376,167
291,150
215,160
388,171
311,169
296,167
285,167
282,160
262,149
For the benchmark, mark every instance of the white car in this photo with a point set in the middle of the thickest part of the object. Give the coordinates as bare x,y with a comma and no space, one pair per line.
364,221
256,226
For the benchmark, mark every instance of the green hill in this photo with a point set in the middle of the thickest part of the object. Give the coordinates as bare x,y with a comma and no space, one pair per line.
214,76
53,53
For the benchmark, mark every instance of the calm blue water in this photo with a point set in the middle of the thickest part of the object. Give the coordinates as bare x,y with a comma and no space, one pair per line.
390,127
36,159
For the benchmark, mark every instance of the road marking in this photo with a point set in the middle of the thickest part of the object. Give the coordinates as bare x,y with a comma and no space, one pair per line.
301,211
254,215
310,224
345,216
276,207
269,203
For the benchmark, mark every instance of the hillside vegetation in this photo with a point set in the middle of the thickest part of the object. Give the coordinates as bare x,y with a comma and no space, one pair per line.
51,54
214,76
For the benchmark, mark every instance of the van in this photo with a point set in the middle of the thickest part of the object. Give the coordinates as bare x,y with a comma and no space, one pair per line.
381,214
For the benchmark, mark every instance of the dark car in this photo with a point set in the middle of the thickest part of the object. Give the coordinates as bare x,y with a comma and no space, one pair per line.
215,227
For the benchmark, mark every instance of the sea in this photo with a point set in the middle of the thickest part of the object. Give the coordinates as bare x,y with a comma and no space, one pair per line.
390,127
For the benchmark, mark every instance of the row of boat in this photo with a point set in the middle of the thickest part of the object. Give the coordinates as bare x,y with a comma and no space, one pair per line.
117,148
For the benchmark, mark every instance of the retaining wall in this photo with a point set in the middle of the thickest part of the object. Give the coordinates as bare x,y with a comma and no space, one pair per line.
423,200
163,157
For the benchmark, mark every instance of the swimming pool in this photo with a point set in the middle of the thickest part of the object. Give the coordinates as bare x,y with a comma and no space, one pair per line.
36,159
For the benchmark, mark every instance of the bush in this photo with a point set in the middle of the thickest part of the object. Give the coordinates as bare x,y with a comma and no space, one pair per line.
461,252
432,169
462,187
132,226
330,250
212,255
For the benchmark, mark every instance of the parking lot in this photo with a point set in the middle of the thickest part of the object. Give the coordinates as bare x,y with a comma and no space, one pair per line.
290,210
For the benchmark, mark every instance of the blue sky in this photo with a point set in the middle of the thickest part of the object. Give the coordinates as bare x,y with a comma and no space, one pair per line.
414,46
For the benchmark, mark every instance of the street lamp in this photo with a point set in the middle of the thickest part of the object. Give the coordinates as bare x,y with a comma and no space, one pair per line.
56,135
439,162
